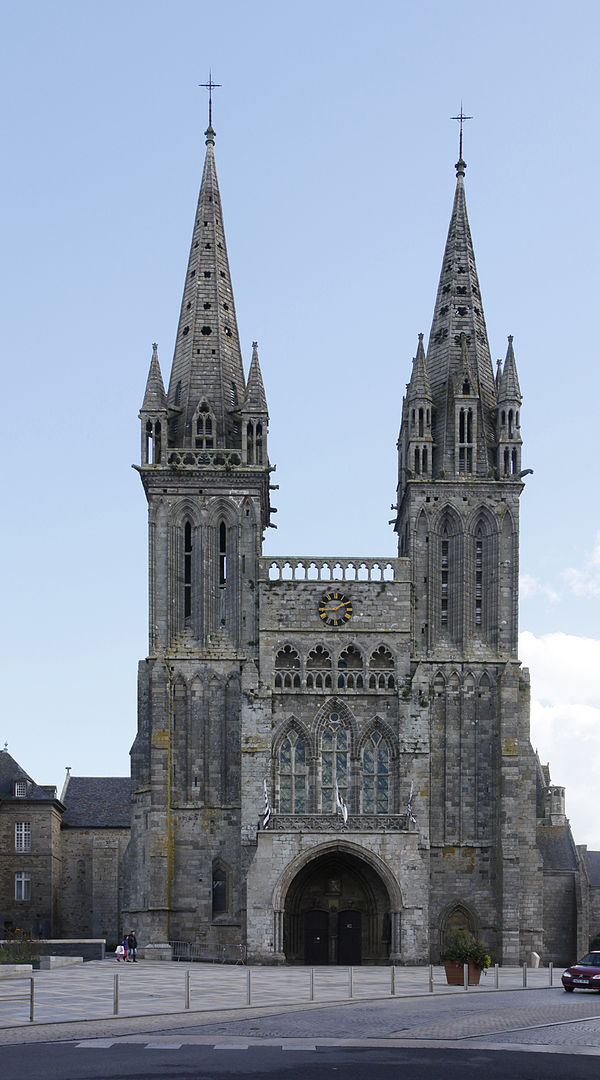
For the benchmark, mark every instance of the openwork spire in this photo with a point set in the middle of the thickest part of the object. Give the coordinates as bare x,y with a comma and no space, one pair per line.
458,328
207,363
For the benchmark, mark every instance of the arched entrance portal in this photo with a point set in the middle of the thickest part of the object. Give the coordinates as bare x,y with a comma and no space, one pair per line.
337,911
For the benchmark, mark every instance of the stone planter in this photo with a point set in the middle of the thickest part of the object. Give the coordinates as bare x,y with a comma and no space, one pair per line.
455,973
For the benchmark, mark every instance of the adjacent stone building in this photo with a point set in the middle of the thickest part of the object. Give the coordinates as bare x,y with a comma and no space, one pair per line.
62,859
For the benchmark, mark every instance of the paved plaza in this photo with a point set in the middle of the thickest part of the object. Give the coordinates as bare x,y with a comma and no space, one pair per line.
103,989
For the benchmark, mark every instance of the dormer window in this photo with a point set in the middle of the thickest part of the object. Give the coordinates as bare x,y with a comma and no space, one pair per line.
20,789
466,388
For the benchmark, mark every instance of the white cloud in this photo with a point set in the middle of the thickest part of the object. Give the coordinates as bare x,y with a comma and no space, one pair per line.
530,586
565,721
586,581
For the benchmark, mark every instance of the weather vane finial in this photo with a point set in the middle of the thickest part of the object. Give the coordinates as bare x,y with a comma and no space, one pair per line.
210,86
461,118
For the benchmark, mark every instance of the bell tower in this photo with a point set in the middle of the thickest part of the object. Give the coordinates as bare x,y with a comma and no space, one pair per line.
205,472
459,484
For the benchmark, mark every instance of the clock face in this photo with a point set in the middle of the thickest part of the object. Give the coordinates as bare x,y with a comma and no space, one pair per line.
335,609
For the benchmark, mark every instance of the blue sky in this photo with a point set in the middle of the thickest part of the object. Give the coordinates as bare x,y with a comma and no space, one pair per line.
335,154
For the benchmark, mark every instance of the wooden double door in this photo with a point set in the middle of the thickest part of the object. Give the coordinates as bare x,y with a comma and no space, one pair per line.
332,937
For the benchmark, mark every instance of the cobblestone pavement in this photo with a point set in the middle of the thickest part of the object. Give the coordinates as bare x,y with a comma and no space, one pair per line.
78,1002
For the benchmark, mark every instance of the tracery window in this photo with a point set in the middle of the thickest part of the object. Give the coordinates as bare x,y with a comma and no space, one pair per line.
375,775
335,762
287,667
350,665
292,775
318,667
381,661
204,430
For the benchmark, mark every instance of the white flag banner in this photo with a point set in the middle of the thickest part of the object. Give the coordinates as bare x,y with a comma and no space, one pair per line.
409,806
267,811
339,802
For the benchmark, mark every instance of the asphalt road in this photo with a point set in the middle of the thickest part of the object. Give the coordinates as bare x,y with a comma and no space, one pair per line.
74,1061
530,1034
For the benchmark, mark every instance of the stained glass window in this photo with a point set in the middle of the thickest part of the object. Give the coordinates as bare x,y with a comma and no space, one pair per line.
376,776
292,775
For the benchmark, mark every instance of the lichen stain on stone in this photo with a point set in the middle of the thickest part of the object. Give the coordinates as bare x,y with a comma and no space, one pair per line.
510,747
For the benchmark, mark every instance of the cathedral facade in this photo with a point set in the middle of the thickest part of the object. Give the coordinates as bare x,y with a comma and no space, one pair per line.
375,706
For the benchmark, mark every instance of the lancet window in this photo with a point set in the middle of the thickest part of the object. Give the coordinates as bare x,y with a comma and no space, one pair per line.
375,775
465,440
293,775
187,570
335,762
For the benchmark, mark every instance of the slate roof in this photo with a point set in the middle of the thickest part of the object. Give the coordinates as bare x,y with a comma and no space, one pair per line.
557,847
10,771
592,859
101,802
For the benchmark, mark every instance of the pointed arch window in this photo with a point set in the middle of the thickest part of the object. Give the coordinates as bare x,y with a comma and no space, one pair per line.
465,440
375,775
335,762
287,669
293,775
153,442
204,427
219,891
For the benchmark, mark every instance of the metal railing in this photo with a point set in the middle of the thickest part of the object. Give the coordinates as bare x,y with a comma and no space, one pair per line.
195,952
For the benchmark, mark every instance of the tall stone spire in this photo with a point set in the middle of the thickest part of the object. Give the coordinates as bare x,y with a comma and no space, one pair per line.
458,334
207,364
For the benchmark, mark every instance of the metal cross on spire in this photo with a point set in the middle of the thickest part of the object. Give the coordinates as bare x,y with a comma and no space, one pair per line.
210,86
461,118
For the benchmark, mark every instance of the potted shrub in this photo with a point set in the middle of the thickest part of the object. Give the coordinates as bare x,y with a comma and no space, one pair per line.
462,948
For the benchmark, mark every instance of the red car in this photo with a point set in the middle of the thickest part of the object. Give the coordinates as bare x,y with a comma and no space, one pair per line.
584,975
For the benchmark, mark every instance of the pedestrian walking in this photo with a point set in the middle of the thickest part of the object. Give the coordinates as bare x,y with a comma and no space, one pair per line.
125,944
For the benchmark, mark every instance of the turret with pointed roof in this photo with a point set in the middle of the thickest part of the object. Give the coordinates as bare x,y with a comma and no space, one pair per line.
153,414
509,417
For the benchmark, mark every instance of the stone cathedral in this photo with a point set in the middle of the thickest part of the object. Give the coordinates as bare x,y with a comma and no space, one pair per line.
388,688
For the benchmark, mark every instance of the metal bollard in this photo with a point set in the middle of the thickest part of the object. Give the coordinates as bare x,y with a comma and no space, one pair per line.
466,976
187,989
496,976
393,986
551,970
31,1001
524,975
431,978
249,986
116,996
350,982
312,984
